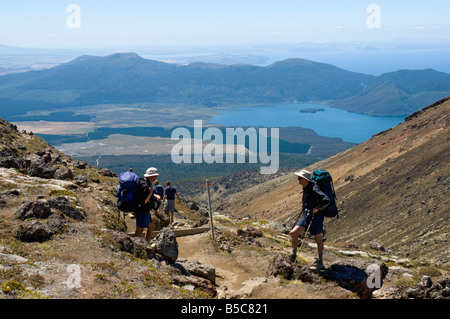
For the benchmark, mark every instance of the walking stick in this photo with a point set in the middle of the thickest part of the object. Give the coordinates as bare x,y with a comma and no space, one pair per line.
296,221
307,230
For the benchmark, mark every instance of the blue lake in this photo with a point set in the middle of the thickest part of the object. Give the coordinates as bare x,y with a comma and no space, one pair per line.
330,122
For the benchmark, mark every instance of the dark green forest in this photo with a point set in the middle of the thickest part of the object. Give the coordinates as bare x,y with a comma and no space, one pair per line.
186,172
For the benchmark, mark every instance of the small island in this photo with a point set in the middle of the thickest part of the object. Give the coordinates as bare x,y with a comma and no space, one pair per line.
311,110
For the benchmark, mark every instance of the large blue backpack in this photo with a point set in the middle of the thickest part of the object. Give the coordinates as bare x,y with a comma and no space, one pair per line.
325,182
128,186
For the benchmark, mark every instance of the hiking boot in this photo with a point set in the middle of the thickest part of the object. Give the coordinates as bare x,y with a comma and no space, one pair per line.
293,257
318,265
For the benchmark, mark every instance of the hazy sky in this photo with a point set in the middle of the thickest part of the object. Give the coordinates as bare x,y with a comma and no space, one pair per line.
107,23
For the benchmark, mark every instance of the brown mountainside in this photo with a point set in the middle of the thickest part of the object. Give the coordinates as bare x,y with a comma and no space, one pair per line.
58,215
392,189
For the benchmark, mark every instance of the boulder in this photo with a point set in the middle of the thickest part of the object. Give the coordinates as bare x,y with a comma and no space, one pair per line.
305,275
357,275
56,223
9,158
281,266
249,232
10,162
425,282
47,157
64,173
81,180
107,172
33,209
62,204
160,219
425,289
39,231
198,269
81,165
191,205
141,249
440,289
166,245
36,166
124,241
5,152
34,231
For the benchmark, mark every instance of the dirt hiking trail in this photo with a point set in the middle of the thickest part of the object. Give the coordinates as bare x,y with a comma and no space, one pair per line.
235,268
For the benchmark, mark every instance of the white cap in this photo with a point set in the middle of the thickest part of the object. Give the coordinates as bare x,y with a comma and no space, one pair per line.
304,174
151,172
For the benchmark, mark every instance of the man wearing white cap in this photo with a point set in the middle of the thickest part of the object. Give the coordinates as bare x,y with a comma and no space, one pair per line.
147,200
313,201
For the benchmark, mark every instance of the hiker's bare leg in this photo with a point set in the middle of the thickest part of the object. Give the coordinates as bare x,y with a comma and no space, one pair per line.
295,232
319,241
150,229
139,231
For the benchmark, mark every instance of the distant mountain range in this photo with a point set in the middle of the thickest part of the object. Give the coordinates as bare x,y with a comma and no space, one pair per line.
129,78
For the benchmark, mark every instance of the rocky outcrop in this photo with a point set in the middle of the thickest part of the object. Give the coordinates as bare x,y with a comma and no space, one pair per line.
136,246
43,209
166,245
357,275
41,230
62,204
281,266
198,269
426,289
51,218
64,173
33,209
160,219
249,232
39,166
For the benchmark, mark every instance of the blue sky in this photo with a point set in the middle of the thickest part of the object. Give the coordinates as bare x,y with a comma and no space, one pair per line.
43,23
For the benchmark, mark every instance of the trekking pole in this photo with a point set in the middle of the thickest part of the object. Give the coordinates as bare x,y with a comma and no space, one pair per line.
296,221
307,230
210,211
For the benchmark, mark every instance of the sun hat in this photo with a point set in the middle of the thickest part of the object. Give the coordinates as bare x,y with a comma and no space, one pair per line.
151,172
304,174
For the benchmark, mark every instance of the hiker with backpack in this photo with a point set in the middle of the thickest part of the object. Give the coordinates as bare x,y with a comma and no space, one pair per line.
136,195
147,200
158,189
315,206
169,195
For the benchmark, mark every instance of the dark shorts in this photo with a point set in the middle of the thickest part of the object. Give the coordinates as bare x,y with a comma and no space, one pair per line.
143,220
316,225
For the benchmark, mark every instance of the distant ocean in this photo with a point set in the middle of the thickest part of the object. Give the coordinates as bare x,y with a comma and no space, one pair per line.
330,122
